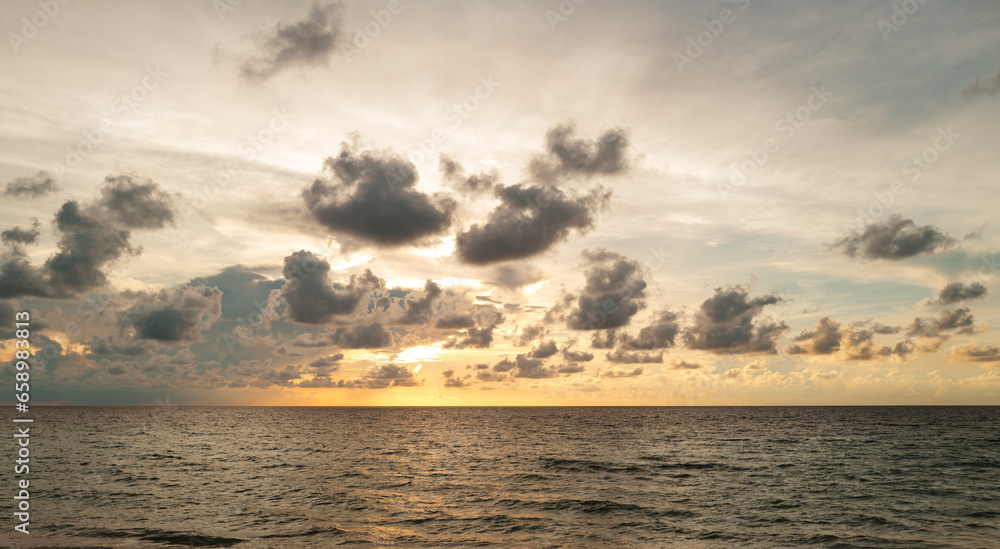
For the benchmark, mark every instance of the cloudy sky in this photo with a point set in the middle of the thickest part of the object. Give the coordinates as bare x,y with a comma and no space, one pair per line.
519,203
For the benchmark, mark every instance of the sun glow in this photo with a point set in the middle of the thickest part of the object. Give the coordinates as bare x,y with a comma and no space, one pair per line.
420,353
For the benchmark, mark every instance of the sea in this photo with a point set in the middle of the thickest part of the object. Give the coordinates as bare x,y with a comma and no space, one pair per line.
541,477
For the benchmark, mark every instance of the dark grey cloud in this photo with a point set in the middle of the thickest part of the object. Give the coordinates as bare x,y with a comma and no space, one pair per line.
516,275
277,378
956,292
319,382
18,236
40,184
566,155
855,342
387,375
614,292
637,371
18,278
373,336
545,350
419,311
825,339
486,319
727,322
570,368
529,220
893,239
453,174
531,368
989,86
504,365
531,333
136,202
88,242
625,357
310,297
308,42
940,329
876,327
371,197
577,356
453,381
7,328
325,365
109,345
455,322
604,340
90,237
173,315
684,365
660,334
480,338
523,366
490,376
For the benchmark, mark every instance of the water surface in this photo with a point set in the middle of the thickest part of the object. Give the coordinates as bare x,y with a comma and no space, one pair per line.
839,477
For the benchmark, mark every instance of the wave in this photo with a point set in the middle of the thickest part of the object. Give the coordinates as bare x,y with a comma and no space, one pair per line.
161,536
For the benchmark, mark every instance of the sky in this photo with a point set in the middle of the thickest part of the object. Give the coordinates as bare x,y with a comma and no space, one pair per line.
397,202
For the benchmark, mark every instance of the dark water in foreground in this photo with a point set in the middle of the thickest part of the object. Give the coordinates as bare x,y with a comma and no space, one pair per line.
512,477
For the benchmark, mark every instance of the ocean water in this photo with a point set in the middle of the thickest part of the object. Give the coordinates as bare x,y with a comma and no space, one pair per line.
837,477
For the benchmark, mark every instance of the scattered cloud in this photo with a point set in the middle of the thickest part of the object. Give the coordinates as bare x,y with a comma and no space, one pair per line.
174,315
35,186
90,237
311,298
307,42
18,236
634,372
728,322
856,342
956,292
469,185
136,202
933,332
529,220
370,196
625,357
615,290
660,334
387,375
566,155
894,239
